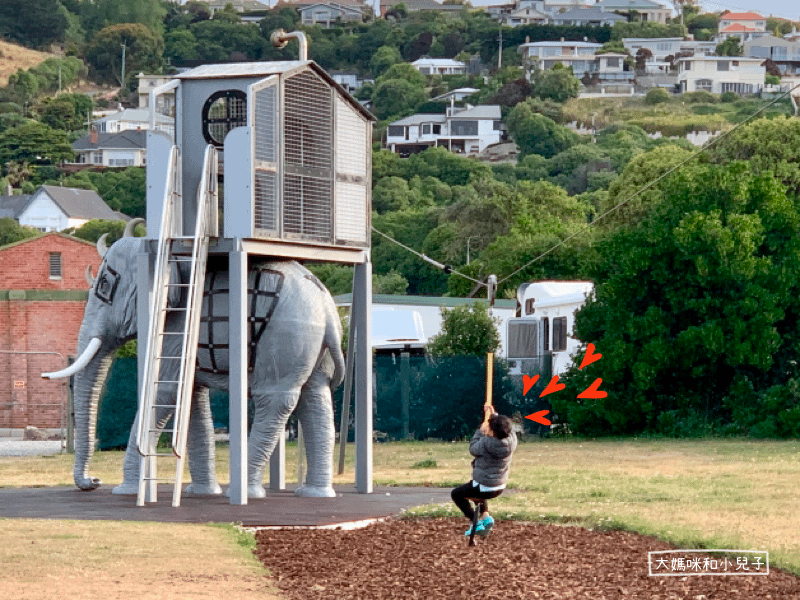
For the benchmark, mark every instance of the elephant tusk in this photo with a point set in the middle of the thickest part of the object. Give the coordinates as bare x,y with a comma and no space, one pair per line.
89,276
101,245
83,360
130,226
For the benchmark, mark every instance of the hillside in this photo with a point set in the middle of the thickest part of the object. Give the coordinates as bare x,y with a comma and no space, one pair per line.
13,57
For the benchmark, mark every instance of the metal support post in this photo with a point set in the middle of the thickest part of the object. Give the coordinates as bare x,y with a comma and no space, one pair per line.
361,319
144,294
237,390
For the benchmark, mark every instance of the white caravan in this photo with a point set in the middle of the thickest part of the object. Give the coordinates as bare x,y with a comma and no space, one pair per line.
545,325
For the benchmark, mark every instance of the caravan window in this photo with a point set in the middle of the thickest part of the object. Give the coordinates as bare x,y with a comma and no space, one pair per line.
529,306
559,334
523,338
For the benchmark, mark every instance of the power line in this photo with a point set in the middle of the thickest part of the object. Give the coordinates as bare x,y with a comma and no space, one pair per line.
705,147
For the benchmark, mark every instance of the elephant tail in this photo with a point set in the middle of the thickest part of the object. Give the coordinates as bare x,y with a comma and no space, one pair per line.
333,340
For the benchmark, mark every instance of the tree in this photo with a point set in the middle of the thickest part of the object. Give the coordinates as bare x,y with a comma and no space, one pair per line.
219,40
35,143
642,56
557,84
66,111
180,45
393,97
105,13
466,331
730,47
33,23
384,57
11,231
144,52
122,189
536,134
704,290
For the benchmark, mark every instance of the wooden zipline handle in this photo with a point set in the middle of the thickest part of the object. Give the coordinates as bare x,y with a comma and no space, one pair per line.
489,378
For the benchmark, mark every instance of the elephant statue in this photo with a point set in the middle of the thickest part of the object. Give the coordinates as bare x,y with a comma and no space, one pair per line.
294,358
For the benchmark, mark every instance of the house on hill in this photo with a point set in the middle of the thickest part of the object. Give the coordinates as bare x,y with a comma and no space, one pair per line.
43,293
745,26
124,149
466,131
53,208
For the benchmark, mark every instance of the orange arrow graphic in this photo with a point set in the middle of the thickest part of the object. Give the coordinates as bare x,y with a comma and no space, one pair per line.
589,357
527,383
593,390
553,386
538,417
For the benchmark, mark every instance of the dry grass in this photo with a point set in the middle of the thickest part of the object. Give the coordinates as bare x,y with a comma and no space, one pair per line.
81,559
14,57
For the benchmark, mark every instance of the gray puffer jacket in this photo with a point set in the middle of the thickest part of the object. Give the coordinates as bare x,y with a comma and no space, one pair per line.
492,458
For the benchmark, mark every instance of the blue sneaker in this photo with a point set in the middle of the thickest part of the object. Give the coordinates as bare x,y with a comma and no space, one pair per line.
484,526
478,529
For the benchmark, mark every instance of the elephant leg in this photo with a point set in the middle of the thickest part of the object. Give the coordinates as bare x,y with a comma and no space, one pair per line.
200,447
272,410
130,471
315,412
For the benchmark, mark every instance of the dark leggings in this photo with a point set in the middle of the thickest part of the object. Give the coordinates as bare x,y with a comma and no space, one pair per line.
463,493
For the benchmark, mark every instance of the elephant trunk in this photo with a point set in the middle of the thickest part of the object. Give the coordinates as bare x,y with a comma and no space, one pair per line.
87,386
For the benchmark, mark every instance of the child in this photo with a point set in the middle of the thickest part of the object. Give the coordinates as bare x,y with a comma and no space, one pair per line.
492,446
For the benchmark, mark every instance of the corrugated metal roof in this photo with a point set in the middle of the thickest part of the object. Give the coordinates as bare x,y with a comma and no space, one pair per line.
250,69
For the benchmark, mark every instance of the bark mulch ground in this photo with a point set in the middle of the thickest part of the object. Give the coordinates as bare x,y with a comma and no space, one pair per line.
430,559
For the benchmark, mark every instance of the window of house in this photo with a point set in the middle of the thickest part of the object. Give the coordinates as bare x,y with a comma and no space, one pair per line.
55,265
546,333
613,63
559,334
496,125
703,85
437,129
426,129
723,65
396,130
463,128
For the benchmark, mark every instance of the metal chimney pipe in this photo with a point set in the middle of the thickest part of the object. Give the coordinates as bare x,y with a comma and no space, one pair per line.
280,38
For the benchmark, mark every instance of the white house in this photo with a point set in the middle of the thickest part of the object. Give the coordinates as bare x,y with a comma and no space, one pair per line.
54,208
124,149
646,10
718,74
331,13
462,130
439,66
661,48
166,101
133,119
545,55
546,324
524,16
407,323
457,94
745,26
594,16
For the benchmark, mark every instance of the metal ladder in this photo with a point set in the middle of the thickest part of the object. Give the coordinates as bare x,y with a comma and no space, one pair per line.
174,251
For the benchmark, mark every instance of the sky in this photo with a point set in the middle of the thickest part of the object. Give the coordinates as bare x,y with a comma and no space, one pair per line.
789,9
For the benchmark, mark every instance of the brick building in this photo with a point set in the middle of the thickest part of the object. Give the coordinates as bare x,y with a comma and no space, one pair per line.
43,292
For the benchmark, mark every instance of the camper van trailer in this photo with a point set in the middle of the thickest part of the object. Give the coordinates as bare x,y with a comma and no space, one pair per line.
541,339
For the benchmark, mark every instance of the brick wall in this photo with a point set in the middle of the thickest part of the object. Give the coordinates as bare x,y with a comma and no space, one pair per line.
39,322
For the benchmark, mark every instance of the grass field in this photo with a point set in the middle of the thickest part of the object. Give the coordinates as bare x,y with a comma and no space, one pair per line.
712,493
14,57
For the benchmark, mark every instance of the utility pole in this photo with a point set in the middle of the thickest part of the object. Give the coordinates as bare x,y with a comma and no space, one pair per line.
500,50
123,65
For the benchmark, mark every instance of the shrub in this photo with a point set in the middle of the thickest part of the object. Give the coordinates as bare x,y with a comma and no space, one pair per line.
656,96
700,97
728,97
